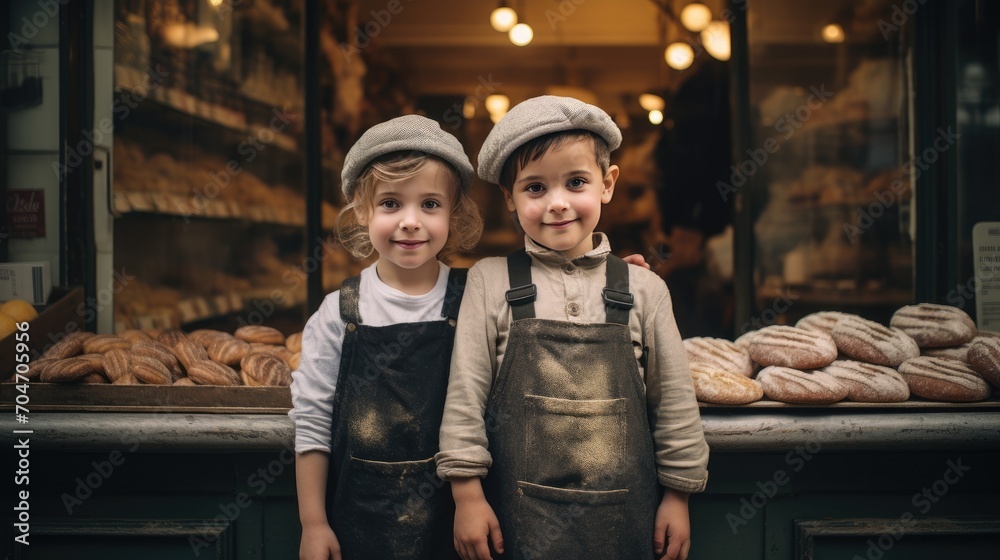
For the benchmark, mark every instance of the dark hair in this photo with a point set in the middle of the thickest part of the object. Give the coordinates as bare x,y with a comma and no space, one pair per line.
534,149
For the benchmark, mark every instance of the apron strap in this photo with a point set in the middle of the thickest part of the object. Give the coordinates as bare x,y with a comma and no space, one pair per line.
349,292
453,295
521,295
618,299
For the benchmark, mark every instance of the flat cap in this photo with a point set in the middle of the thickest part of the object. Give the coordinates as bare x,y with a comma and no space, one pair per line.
536,117
404,134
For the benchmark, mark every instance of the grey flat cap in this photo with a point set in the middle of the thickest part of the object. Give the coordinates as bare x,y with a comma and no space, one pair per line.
536,117
404,134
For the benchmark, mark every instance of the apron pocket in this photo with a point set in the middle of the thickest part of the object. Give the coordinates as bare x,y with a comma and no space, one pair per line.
390,510
574,444
558,523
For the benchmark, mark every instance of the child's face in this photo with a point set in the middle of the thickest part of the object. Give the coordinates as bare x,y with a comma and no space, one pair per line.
409,220
558,197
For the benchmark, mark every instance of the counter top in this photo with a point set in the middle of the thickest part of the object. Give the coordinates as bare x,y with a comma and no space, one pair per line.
727,430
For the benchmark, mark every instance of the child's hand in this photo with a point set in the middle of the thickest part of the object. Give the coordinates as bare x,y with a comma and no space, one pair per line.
672,527
637,260
319,543
475,522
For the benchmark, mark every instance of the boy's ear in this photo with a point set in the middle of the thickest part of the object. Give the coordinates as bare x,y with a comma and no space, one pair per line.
610,178
509,199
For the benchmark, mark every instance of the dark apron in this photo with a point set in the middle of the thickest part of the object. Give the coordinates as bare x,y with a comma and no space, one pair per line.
385,501
573,472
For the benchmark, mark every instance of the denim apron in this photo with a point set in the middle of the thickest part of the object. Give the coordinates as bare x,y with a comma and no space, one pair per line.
385,501
573,472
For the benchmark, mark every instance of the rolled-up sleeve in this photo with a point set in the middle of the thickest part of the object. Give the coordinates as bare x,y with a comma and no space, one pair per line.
463,443
315,381
681,450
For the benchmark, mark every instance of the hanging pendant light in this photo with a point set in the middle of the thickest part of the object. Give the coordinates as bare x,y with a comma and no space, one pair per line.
695,17
503,18
679,55
521,34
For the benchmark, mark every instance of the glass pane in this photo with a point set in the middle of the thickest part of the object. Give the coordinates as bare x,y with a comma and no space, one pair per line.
828,163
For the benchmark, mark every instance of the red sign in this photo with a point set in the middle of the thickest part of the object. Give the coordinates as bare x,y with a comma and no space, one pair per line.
26,213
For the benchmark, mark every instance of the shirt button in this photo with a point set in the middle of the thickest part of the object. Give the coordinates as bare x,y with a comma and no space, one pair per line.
569,269
573,309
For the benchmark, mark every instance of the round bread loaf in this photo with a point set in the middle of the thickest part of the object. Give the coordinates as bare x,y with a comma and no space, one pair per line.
941,379
260,334
294,342
69,346
792,347
72,369
101,343
712,385
984,359
933,325
960,353
207,337
800,387
821,321
869,383
871,342
719,354
265,369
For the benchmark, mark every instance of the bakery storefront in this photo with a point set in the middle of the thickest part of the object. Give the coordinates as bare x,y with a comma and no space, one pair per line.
799,173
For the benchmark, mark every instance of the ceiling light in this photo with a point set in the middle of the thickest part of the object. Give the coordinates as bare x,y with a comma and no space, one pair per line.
833,33
679,55
695,17
503,18
651,102
715,37
497,103
655,117
521,34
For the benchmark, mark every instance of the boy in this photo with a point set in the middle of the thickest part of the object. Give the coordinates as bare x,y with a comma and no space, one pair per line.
567,367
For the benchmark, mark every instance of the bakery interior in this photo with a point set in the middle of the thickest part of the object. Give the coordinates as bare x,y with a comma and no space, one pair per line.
173,166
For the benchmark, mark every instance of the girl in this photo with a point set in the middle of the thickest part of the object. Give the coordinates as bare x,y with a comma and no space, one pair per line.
369,392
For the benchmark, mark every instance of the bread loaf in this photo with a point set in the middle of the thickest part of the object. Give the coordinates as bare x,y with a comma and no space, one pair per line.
101,343
260,334
170,337
941,379
207,372
265,369
159,351
188,353
134,335
294,342
207,337
117,363
72,369
933,325
37,366
984,359
821,321
185,381
719,354
228,351
792,347
69,346
960,353
150,370
873,343
126,380
712,385
869,383
800,387
295,360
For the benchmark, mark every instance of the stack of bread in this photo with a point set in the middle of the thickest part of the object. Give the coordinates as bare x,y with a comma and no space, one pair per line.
252,356
929,351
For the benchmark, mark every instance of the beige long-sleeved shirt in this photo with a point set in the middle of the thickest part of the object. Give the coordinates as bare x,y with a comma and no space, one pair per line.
570,290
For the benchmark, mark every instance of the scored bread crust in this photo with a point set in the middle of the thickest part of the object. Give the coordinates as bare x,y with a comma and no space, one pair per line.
795,386
719,354
933,325
942,379
791,347
717,386
869,383
871,342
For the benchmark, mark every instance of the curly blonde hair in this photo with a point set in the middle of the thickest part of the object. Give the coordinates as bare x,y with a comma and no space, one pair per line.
466,224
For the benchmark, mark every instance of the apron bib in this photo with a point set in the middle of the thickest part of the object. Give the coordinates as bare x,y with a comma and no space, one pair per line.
573,472
385,501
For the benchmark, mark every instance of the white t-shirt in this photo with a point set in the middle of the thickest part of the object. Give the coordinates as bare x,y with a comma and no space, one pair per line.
315,381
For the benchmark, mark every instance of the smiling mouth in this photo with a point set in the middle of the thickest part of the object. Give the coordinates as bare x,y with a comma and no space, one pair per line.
558,225
407,244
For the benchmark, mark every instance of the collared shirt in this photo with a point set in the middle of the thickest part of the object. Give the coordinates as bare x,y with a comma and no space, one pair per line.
569,289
